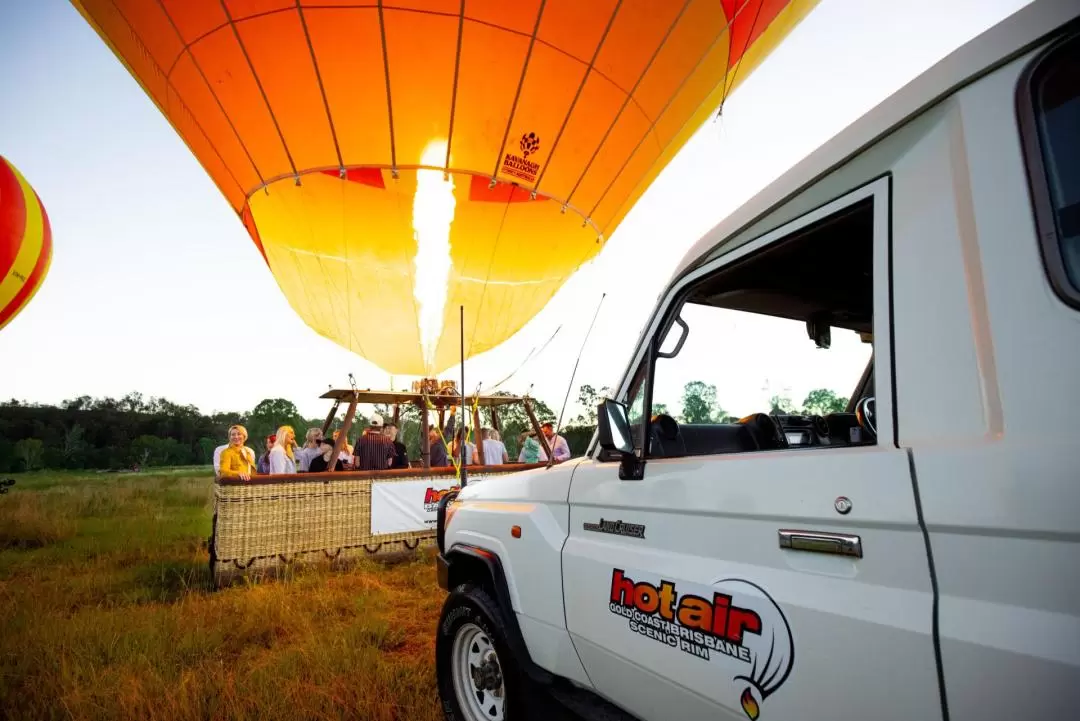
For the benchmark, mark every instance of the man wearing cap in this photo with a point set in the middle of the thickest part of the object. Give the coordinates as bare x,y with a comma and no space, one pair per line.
374,451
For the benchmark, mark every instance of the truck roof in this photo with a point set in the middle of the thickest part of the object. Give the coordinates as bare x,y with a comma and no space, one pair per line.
1010,38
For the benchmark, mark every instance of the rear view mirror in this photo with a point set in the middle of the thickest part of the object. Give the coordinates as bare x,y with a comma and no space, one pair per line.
614,427
678,344
819,330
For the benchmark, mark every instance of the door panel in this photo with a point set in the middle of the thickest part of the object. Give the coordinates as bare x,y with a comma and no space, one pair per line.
1001,498
777,632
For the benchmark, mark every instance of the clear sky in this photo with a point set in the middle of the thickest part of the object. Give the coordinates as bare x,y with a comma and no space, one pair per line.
156,287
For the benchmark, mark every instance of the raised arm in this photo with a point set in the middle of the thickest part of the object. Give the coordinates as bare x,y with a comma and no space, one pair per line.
448,431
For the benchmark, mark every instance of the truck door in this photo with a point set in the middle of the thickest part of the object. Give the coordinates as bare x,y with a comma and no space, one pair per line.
989,407
755,569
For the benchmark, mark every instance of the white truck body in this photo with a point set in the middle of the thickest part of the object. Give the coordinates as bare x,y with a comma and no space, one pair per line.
931,573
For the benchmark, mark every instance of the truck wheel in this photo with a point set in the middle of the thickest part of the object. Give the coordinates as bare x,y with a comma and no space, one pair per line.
479,680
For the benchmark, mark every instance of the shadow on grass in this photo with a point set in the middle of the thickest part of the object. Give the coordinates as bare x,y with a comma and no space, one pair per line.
168,581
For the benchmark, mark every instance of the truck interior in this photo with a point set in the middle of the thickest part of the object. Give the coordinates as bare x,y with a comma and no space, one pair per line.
821,275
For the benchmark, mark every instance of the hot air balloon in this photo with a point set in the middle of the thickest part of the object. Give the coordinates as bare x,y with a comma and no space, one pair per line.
395,159
25,242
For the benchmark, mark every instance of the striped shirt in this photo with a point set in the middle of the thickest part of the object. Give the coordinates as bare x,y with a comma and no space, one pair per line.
374,451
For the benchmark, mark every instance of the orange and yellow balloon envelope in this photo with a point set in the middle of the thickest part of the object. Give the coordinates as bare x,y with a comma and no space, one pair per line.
25,242
395,159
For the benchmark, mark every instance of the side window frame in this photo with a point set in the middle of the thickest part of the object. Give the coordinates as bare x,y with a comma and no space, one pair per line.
1032,145
671,301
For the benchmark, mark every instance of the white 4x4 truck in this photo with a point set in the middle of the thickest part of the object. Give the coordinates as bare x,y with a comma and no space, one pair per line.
913,555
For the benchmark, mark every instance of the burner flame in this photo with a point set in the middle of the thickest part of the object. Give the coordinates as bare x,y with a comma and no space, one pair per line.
749,705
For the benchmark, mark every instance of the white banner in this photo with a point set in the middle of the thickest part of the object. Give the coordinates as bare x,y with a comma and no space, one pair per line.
406,506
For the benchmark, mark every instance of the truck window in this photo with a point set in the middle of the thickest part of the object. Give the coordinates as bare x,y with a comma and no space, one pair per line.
1049,107
783,333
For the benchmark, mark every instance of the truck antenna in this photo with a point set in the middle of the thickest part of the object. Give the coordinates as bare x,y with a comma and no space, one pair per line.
461,429
570,386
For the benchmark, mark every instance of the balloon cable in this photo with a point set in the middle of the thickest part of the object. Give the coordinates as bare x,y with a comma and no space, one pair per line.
530,355
569,387
738,64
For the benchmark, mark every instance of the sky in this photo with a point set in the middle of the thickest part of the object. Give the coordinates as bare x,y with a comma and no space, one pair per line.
156,287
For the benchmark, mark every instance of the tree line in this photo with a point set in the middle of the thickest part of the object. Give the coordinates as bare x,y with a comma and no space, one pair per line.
700,405
111,434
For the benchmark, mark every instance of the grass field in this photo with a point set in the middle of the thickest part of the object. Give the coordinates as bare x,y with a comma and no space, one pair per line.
106,612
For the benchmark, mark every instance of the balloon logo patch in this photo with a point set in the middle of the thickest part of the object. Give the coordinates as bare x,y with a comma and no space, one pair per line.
733,624
529,144
520,166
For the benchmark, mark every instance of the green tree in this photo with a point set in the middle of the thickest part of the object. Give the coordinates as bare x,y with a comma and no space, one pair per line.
275,411
146,450
30,451
133,403
822,402
173,453
781,405
589,399
699,403
272,413
73,445
78,404
205,449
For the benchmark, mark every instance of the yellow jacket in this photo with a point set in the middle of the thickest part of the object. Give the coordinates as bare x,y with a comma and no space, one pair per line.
236,460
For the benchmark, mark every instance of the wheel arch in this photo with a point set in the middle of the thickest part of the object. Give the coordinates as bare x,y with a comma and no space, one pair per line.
467,564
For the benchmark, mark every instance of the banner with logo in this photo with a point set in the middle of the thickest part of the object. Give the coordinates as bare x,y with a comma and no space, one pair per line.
406,506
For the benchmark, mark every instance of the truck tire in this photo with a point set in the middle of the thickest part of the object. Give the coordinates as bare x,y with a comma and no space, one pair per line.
479,678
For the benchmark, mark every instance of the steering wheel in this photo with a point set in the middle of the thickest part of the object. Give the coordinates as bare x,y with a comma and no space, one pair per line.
766,431
666,439
866,415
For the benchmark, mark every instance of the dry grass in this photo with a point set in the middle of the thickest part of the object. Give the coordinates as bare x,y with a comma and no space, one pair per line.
106,613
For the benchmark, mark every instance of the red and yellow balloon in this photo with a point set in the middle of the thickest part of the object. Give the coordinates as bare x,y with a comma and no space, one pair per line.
25,242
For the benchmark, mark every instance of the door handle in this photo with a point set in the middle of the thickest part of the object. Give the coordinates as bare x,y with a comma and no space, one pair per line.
842,544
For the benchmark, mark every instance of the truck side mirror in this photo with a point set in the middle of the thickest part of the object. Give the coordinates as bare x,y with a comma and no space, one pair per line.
614,435
614,427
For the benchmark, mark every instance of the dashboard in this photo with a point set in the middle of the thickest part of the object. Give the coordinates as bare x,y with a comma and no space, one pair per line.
668,438
831,430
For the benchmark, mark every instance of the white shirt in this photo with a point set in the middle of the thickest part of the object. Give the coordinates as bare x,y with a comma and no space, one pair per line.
281,463
493,452
217,459
559,448
470,453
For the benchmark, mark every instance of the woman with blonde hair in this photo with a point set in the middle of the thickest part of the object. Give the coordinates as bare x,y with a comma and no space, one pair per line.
346,451
237,460
304,456
282,458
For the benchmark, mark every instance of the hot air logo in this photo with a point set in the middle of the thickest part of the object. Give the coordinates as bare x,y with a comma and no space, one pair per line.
733,624
520,166
433,495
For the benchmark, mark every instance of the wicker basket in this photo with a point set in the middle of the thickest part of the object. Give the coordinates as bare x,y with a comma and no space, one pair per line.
276,521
